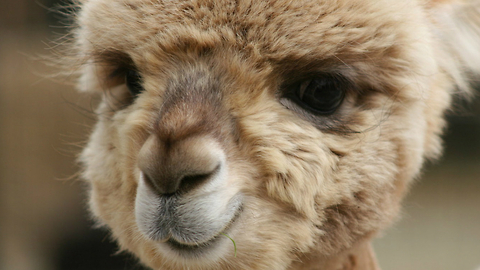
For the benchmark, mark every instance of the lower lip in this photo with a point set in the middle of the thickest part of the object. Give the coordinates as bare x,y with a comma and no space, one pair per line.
191,249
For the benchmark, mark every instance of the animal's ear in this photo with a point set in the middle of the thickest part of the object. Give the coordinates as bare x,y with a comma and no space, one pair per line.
456,24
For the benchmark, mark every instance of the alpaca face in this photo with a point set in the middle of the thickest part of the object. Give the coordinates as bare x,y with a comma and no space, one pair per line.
293,127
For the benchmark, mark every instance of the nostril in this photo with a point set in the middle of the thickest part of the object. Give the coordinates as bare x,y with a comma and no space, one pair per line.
154,184
171,185
190,182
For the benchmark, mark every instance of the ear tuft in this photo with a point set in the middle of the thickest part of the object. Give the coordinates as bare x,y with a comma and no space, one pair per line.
457,25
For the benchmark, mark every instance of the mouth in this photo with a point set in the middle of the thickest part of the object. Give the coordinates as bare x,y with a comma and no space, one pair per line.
188,224
179,247
198,248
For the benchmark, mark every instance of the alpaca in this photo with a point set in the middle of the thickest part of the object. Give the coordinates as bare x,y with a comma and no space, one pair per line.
292,128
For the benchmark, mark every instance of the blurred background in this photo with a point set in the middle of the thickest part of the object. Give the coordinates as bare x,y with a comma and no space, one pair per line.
44,224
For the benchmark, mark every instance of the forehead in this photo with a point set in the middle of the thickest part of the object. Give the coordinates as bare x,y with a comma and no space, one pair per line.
275,29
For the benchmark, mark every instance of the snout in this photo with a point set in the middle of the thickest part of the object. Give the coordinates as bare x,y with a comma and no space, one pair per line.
183,198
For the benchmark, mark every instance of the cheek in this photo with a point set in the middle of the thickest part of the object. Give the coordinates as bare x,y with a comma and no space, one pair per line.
388,152
292,156
106,170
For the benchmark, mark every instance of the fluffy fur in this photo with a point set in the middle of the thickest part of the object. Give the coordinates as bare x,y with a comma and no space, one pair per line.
294,190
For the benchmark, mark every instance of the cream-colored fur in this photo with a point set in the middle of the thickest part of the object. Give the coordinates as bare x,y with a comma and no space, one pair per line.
294,190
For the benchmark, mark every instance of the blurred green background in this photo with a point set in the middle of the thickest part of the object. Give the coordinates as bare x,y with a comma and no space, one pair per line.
43,123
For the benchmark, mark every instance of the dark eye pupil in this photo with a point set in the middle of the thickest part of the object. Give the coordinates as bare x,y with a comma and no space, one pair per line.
133,80
321,95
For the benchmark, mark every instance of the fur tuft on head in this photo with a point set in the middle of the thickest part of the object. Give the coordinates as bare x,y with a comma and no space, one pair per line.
457,26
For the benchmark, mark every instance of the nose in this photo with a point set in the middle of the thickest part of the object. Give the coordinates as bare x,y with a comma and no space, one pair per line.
178,167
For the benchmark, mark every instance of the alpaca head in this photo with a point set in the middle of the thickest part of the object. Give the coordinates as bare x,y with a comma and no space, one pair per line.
293,127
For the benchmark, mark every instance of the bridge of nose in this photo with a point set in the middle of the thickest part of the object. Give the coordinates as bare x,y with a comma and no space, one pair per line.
185,144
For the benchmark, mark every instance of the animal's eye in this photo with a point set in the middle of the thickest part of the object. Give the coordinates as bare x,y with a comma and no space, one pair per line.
133,80
320,95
